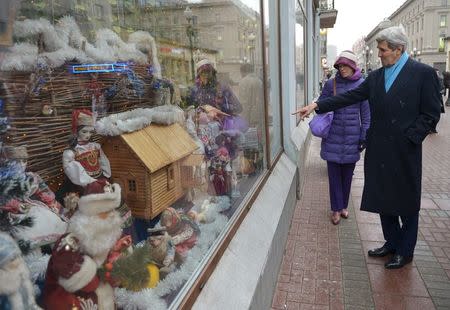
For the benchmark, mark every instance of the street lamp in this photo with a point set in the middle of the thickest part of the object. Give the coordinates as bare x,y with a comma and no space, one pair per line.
190,34
368,54
415,53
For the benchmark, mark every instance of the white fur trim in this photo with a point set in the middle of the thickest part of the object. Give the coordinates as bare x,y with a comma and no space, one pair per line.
97,203
105,296
64,42
202,63
81,278
144,41
349,55
134,120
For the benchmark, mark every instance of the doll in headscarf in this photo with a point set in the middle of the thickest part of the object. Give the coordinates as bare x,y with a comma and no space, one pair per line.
182,229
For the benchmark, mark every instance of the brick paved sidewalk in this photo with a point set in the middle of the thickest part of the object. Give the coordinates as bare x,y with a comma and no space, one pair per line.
327,267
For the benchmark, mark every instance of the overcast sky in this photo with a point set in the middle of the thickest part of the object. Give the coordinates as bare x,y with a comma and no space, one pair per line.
356,18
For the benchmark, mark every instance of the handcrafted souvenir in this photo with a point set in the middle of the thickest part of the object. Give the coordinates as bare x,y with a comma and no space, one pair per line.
72,280
37,202
16,289
147,164
162,250
182,230
84,162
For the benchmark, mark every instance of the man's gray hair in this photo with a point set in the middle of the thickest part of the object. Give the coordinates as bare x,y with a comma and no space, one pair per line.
394,36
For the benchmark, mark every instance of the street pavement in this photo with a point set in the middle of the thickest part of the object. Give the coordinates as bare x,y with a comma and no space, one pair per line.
327,267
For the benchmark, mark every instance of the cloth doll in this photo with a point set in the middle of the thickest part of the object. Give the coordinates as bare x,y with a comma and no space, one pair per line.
16,289
38,202
162,250
182,230
72,280
84,162
95,91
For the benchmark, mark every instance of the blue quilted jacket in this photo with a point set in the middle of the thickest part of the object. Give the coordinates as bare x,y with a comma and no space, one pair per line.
349,124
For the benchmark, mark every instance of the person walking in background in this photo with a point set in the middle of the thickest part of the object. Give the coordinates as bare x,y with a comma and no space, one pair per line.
251,96
404,103
347,135
446,75
441,92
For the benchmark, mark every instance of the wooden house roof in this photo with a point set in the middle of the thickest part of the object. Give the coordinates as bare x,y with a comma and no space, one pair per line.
160,145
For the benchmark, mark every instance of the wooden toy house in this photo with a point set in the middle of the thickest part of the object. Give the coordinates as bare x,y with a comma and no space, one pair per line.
148,166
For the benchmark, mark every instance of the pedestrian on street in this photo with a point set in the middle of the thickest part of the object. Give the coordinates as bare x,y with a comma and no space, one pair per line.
347,135
446,75
405,105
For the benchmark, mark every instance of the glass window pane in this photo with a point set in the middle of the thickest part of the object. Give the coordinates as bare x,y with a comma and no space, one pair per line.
193,69
300,68
272,74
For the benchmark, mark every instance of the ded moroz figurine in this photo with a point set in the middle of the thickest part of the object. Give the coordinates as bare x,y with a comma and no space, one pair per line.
72,279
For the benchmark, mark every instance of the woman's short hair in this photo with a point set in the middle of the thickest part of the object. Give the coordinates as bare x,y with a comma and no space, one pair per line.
394,36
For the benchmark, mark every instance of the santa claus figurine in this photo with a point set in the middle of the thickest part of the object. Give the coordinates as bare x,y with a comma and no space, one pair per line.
72,279
84,162
16,289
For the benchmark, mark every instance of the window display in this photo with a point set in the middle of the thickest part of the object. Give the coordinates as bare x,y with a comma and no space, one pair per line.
141,130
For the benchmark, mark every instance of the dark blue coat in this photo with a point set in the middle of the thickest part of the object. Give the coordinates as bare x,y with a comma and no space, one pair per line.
400,121
349,125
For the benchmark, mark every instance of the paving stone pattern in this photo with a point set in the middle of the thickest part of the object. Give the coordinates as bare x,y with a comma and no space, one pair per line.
327,267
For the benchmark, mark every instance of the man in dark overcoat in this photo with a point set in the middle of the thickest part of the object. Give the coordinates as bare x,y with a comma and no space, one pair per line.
404,103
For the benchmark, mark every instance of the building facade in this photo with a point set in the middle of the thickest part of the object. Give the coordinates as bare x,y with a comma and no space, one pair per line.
427,26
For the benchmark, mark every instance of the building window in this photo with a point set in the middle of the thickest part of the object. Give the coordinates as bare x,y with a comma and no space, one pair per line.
98,11
441,44
132,186
443,21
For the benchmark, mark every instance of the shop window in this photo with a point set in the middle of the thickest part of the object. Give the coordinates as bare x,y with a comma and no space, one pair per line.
271,23
120,56
300,67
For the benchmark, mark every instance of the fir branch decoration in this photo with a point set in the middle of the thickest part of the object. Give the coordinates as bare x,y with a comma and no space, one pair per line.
131,271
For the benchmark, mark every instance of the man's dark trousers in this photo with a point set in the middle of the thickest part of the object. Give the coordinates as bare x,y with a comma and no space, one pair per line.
401,238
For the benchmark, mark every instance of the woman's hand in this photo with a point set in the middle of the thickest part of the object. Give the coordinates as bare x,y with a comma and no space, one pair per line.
305,111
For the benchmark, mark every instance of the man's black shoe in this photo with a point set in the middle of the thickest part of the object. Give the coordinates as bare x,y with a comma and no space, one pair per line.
380,252
398,261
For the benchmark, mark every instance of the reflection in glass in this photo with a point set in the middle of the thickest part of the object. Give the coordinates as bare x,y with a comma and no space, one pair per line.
300,69
195,70
272,74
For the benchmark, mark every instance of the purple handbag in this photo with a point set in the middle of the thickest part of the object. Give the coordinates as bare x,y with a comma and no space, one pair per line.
320,124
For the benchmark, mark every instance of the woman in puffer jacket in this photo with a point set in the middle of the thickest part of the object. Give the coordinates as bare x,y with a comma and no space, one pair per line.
346,139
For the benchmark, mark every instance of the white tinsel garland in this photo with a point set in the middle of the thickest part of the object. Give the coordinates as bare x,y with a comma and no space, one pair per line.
64,42
37,263
155,296
130,121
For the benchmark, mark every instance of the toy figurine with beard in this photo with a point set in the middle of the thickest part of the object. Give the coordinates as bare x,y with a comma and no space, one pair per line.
16,290
72,281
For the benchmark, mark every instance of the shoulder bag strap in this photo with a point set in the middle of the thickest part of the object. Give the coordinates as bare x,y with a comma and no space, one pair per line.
334,86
